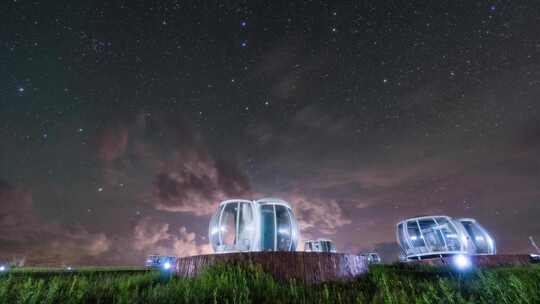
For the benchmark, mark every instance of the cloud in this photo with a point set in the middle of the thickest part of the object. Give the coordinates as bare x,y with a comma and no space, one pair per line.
184,244
178,176
151,237
316,215
148,235
195,184
29,235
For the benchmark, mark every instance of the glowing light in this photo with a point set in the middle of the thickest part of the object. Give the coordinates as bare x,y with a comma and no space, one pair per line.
462,262
2,268
283,231
490,242
167,266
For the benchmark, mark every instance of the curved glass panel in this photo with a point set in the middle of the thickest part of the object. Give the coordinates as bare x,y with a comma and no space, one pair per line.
414,234
294,231
432,235
450,234
228,225
268,228
283,228
401,236
327,246
478,236
214,229
245,227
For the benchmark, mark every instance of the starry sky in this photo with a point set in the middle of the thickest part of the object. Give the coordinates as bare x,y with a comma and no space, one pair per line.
124,123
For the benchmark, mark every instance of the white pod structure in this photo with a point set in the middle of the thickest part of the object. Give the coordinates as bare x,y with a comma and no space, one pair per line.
436,236
263,225
320,245
479,238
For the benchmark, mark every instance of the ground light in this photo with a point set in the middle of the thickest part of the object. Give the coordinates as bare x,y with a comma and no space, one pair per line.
167,266
2,268
462,262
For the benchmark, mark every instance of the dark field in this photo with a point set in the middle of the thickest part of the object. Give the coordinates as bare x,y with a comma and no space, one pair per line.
233,284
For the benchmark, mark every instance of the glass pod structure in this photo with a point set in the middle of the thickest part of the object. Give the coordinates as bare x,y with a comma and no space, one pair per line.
479,239
261,225
320,245
435,236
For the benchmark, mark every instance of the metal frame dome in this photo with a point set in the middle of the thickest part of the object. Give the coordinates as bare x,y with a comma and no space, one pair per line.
440,235
266,224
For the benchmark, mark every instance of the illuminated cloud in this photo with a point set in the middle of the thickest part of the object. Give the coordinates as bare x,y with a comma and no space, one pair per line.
181,176
152,237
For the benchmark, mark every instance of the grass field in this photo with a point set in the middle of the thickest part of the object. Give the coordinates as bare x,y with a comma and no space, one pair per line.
230,284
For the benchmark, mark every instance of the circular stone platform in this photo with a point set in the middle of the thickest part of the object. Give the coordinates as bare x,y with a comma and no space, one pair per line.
309,267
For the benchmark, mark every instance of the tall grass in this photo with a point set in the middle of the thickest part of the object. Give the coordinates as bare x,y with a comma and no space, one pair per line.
249,284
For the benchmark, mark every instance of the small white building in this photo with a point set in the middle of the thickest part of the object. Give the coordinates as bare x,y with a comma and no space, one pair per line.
266,224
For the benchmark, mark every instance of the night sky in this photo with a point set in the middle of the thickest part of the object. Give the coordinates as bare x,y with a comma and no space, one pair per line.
124,123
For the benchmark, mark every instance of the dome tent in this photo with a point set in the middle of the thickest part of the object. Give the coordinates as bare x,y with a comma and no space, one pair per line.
435,236
262,225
